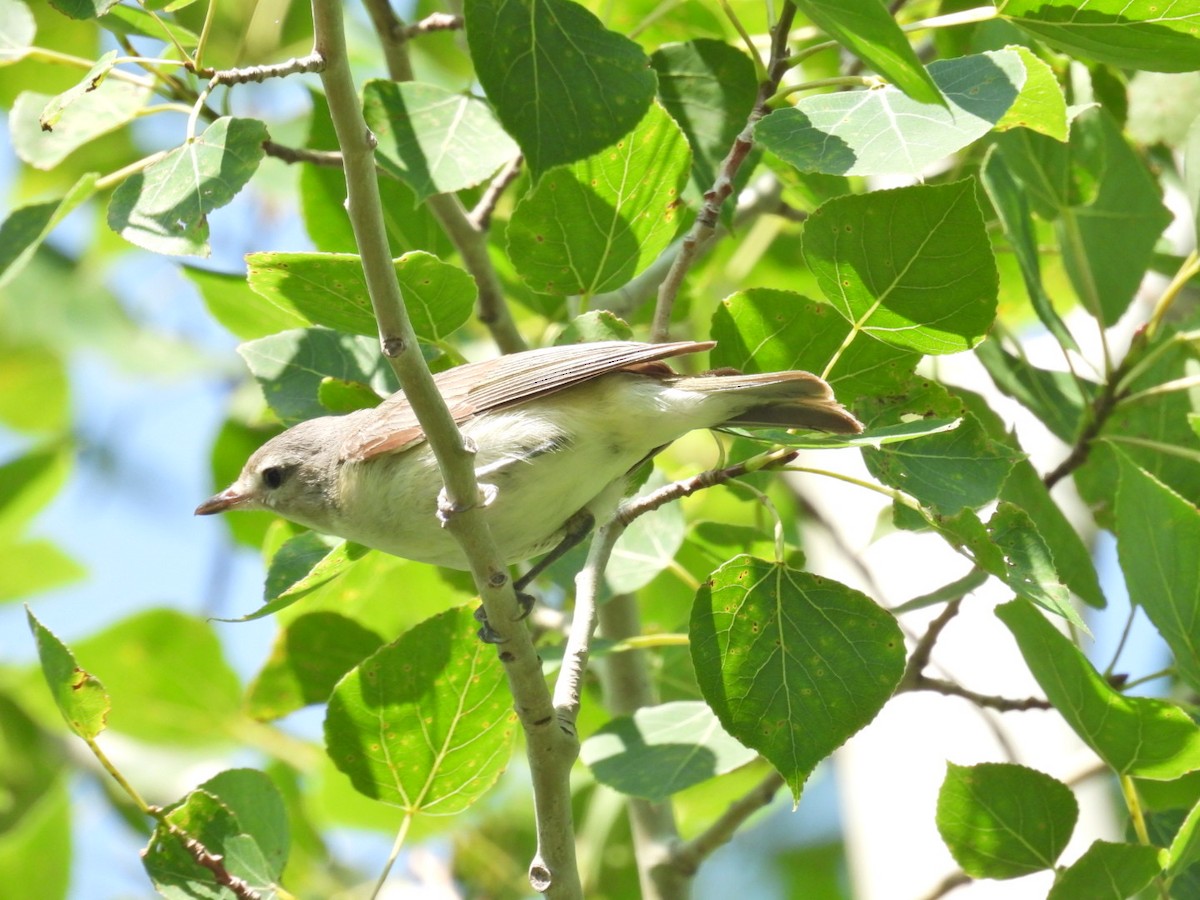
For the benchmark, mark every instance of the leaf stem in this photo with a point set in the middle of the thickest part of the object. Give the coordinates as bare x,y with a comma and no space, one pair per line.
401,834
865,81
760,70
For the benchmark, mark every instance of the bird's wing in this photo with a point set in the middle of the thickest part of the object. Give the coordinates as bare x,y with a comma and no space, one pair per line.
478,387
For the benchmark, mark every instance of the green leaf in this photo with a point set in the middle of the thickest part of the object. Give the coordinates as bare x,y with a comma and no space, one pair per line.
17,31
33,566
436,141
881,131
1158,540
867,29
308,658
204,818
1140,427
912,267
127,20
1108,871
237,307
300,566
27,484
27,226
79,695
164,208
1012,208
409,225
591,226
647,546
1041,105
1106,205
83,9
949,471
48,118
1137,736
340,396
1131,34
1024,488
34,392
1057,398
330,289
1002,820
1028,564
35,852
661,750
426,722
709,88
561,83
259,809
108,106
291,365
1185,846
791,663
594,325
767,330
168,679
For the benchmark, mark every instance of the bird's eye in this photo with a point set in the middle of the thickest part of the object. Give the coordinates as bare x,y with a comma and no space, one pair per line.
272,476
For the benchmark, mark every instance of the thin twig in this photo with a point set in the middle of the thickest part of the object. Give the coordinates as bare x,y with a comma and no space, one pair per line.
327,158
919,658
704,228
437,21
481,216
950,883
689,855
988,701
258,74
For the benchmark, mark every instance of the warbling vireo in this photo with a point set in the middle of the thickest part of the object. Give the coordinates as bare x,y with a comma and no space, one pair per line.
556,432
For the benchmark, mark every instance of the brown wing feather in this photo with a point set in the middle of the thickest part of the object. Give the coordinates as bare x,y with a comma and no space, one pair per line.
491,384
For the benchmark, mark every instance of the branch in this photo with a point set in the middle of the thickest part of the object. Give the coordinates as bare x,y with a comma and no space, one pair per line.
290,155
555,871
468,235
313,62
689,855
950,689
704,228
924,649
481,215
212,862
437,21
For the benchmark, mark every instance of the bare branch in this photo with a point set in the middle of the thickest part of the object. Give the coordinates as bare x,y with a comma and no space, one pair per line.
690,855
481,215
290,155
919,658
313,62
704,228
988,701
437,21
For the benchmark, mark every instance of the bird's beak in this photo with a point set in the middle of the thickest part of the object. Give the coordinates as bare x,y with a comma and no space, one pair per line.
227,499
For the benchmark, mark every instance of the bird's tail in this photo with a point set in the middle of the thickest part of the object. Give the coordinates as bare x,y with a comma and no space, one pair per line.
776,400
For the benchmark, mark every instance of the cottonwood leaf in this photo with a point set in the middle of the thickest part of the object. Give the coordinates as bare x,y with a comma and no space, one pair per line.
912,267
1002,820
1158,540
79,695
17,31
881,131
435,140
709,88
1109,871
1137,736
768,330
661,750
164,208
591,226
866,28
561,83
792,664
27,226
426,722
330,289
1129,34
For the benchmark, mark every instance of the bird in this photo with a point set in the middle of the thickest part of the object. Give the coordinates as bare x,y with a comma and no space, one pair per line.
557,433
